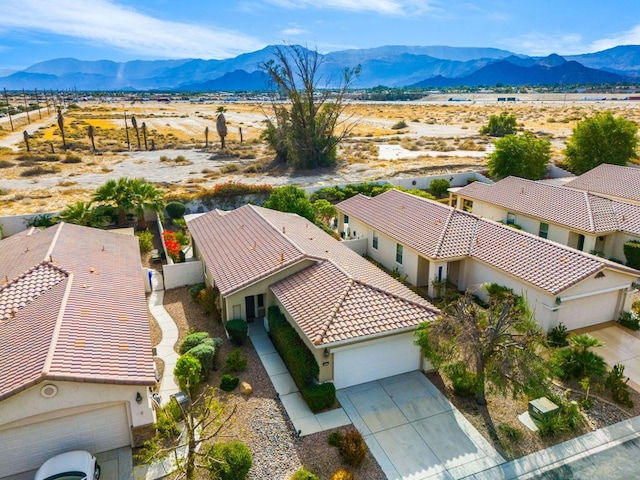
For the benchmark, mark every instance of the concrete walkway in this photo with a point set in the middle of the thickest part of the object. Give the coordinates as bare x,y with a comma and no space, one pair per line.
165,350
414,432
304,420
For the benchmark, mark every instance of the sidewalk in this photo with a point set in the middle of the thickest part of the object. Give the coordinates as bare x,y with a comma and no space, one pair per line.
304,420
165,350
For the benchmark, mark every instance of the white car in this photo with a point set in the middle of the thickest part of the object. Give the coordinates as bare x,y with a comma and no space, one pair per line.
75,465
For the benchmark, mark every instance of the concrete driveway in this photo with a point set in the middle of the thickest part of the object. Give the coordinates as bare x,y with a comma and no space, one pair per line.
620,346
414,432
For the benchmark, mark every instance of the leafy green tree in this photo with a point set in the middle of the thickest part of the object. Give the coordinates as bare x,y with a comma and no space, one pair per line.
439,186
291,199
523,156
188,372
500,125
499,344
324,210
602,138
83,213
304,132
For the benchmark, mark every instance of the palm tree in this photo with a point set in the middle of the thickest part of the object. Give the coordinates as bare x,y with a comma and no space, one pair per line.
61,126
145,197
117,194
221,127
82,213
91,133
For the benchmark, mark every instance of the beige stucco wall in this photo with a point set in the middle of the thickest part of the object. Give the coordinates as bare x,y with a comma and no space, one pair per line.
611,279
30,406
615,247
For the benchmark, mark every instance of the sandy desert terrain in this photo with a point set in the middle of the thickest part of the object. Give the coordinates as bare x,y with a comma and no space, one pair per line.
440,136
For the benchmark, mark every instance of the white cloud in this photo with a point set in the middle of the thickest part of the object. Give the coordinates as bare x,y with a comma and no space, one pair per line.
541,44
294,31
106,23
385,7
630,37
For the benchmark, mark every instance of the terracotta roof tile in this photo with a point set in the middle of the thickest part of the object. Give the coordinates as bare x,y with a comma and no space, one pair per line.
104,307
610,180
545,264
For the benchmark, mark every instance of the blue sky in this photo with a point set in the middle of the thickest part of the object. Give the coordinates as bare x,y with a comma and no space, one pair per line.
37,30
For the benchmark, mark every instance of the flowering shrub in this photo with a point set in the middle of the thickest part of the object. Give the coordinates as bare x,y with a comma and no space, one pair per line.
172,245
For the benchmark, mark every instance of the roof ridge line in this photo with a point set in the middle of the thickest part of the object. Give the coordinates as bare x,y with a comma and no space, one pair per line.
334,311
444,232
31,270
48,255
587,201
58,326
284,235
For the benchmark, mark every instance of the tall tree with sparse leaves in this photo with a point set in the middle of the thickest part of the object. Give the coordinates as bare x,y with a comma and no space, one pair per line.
304,131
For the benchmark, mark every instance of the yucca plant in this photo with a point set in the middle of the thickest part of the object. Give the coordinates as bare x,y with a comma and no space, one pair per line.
134,123
61,127
221,127
206,137
91,133
26,140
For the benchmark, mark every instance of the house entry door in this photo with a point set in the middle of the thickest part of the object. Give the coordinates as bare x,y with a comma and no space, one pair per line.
250,308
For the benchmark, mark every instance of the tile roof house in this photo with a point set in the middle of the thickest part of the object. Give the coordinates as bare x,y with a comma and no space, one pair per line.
334,298
75,348
611,181
576,218
429,243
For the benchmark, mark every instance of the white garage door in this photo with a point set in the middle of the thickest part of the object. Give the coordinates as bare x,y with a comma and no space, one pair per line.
374,360
27,447
586,311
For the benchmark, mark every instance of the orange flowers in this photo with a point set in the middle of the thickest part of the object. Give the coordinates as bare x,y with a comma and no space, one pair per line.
172,245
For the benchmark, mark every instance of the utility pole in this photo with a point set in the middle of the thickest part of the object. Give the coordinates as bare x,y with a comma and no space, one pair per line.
38,104
126,129
6,97
26,107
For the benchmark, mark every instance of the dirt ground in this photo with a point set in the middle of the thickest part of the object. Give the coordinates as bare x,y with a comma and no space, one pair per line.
440,137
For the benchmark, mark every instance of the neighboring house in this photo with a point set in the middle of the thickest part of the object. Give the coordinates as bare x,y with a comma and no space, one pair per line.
357,320
579,219
429,242
611,181
75,349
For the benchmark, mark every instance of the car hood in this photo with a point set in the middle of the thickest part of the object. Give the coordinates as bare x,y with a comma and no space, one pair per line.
75,461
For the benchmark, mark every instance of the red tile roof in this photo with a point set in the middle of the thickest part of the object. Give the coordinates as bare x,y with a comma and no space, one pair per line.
245,245
610,180
574,209
410,220
72,307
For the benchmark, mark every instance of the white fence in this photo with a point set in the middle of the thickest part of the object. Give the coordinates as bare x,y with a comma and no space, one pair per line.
358,245
181,274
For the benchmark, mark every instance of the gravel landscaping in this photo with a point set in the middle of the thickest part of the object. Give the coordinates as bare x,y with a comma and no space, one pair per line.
260,419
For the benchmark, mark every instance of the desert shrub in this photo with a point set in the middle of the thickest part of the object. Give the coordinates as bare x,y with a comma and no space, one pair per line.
236,361
343,474
617,383
632,253
510,432
228,461
439,186
300,361
183,239
228,382
196,289
334,438
567,419
70,158
175,209
41,221
39,170
500,125
204,352
558,336
577,361
304,474
188,372
237,330
166,422
399,125
6,164
208,298
352,448
464,383
629,320
192,340
145,240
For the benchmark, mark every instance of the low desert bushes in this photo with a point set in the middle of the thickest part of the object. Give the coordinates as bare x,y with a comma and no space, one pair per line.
228,460
353,449
236,361
228,382
617,383
558,336
629,320
145,240
343,474
304,474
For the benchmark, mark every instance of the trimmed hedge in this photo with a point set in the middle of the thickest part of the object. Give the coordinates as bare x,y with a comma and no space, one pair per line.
205,353
300,361
632,253
192,340
228,382
175,209
237,330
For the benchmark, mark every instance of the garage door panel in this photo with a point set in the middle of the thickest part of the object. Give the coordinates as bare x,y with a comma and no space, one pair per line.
372,361
30,445
587,311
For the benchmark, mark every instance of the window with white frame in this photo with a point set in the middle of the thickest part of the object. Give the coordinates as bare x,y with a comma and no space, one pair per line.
399,253
374,242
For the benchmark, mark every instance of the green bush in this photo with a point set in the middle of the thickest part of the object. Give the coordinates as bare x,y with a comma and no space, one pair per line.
228,382
558,336
304,474
228,461
205,354
352,448
208,298
192,340
196,289
617,383
510,432
145,240
236,361
334,438
175,209
567,419
500,125
399,125
632,253
237,330
188,372
439,186
166,422
629,320
577,361
464,382
300,361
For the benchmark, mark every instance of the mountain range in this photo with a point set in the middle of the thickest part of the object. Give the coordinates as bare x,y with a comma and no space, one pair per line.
391,66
